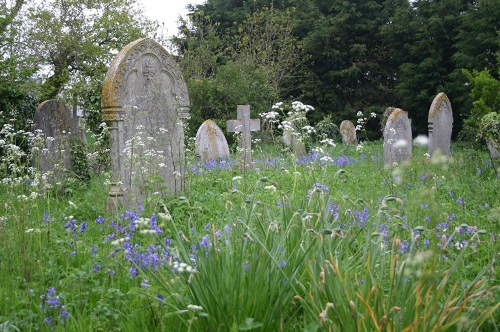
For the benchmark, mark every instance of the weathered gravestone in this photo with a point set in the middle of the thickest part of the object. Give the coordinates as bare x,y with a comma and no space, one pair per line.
144,101
244,125
348,132
211,144
58,126
290,140
397,138
440,124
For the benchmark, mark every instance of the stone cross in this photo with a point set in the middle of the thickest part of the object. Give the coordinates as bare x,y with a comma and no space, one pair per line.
440,125
145,101
244,125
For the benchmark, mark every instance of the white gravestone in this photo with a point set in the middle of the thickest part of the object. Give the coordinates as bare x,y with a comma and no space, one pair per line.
440,125
211,144
397,138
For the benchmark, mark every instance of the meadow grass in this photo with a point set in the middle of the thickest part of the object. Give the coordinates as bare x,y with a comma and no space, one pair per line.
329,242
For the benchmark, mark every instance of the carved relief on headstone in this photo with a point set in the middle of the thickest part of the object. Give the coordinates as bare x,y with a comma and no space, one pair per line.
440,125
57,125
211,144
145,101
244,125
348,132
397,138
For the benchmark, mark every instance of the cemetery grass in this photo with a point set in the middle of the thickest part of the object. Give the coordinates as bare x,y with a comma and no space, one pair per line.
332,242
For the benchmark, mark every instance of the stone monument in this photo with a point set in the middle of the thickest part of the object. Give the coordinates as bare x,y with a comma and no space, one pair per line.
58,126
348,132
440,124
397,138
211,144
144,102
244,125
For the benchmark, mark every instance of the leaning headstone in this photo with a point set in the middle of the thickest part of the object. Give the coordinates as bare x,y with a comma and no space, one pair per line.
58,128
348,132
397,138
244,125
211,144
144,101
440,125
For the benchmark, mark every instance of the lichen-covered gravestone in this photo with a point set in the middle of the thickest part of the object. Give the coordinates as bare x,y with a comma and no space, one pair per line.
440,125
58,126
397,138
244,125
144,101
211,144
348,132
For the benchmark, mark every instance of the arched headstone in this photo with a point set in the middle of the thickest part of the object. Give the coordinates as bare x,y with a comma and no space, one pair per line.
348,132
440,124
145,101
397,138
211,144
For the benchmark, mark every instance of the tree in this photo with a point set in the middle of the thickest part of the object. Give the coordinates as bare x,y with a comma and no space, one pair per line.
75,40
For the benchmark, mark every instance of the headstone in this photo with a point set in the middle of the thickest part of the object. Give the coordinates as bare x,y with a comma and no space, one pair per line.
211,144
144,101
292,142
58,126
440,125
348,132
244,125
397,138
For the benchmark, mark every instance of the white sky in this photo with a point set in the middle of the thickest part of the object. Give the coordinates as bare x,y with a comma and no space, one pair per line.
167,11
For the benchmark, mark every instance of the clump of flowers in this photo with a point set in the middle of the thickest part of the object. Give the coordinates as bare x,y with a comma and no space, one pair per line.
289,118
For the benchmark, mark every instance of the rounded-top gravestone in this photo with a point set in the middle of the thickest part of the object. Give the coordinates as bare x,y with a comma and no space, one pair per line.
144,101
211,144
348,132
440,125
397,138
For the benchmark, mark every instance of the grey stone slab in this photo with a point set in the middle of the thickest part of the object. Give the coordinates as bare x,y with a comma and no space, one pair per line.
440,125
348,132
211,144
57,125
145,102
397,138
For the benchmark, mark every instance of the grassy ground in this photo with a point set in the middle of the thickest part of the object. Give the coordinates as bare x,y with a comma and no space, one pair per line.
333,242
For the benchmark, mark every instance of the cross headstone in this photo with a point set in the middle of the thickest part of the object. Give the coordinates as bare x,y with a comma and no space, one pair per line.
440,124
211,144
58,126
397,138
244,125
348,132
145,101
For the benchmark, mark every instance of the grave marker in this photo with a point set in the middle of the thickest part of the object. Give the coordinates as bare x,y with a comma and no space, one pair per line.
440,124
397,138
59,128
145,101
244,125
348,132
211,144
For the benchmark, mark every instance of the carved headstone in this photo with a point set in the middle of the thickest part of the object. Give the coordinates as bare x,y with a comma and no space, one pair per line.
348,132
244,125
440,125
58,126
397,138
211,144
144,101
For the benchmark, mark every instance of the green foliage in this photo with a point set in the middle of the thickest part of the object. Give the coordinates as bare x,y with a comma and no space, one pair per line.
235,83
489,128
486,99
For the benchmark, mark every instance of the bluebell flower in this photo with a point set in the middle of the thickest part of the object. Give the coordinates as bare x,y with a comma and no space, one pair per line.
83,227
133,272
48,320
46,217
99,220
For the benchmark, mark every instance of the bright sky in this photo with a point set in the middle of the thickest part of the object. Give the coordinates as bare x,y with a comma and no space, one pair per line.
167,11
